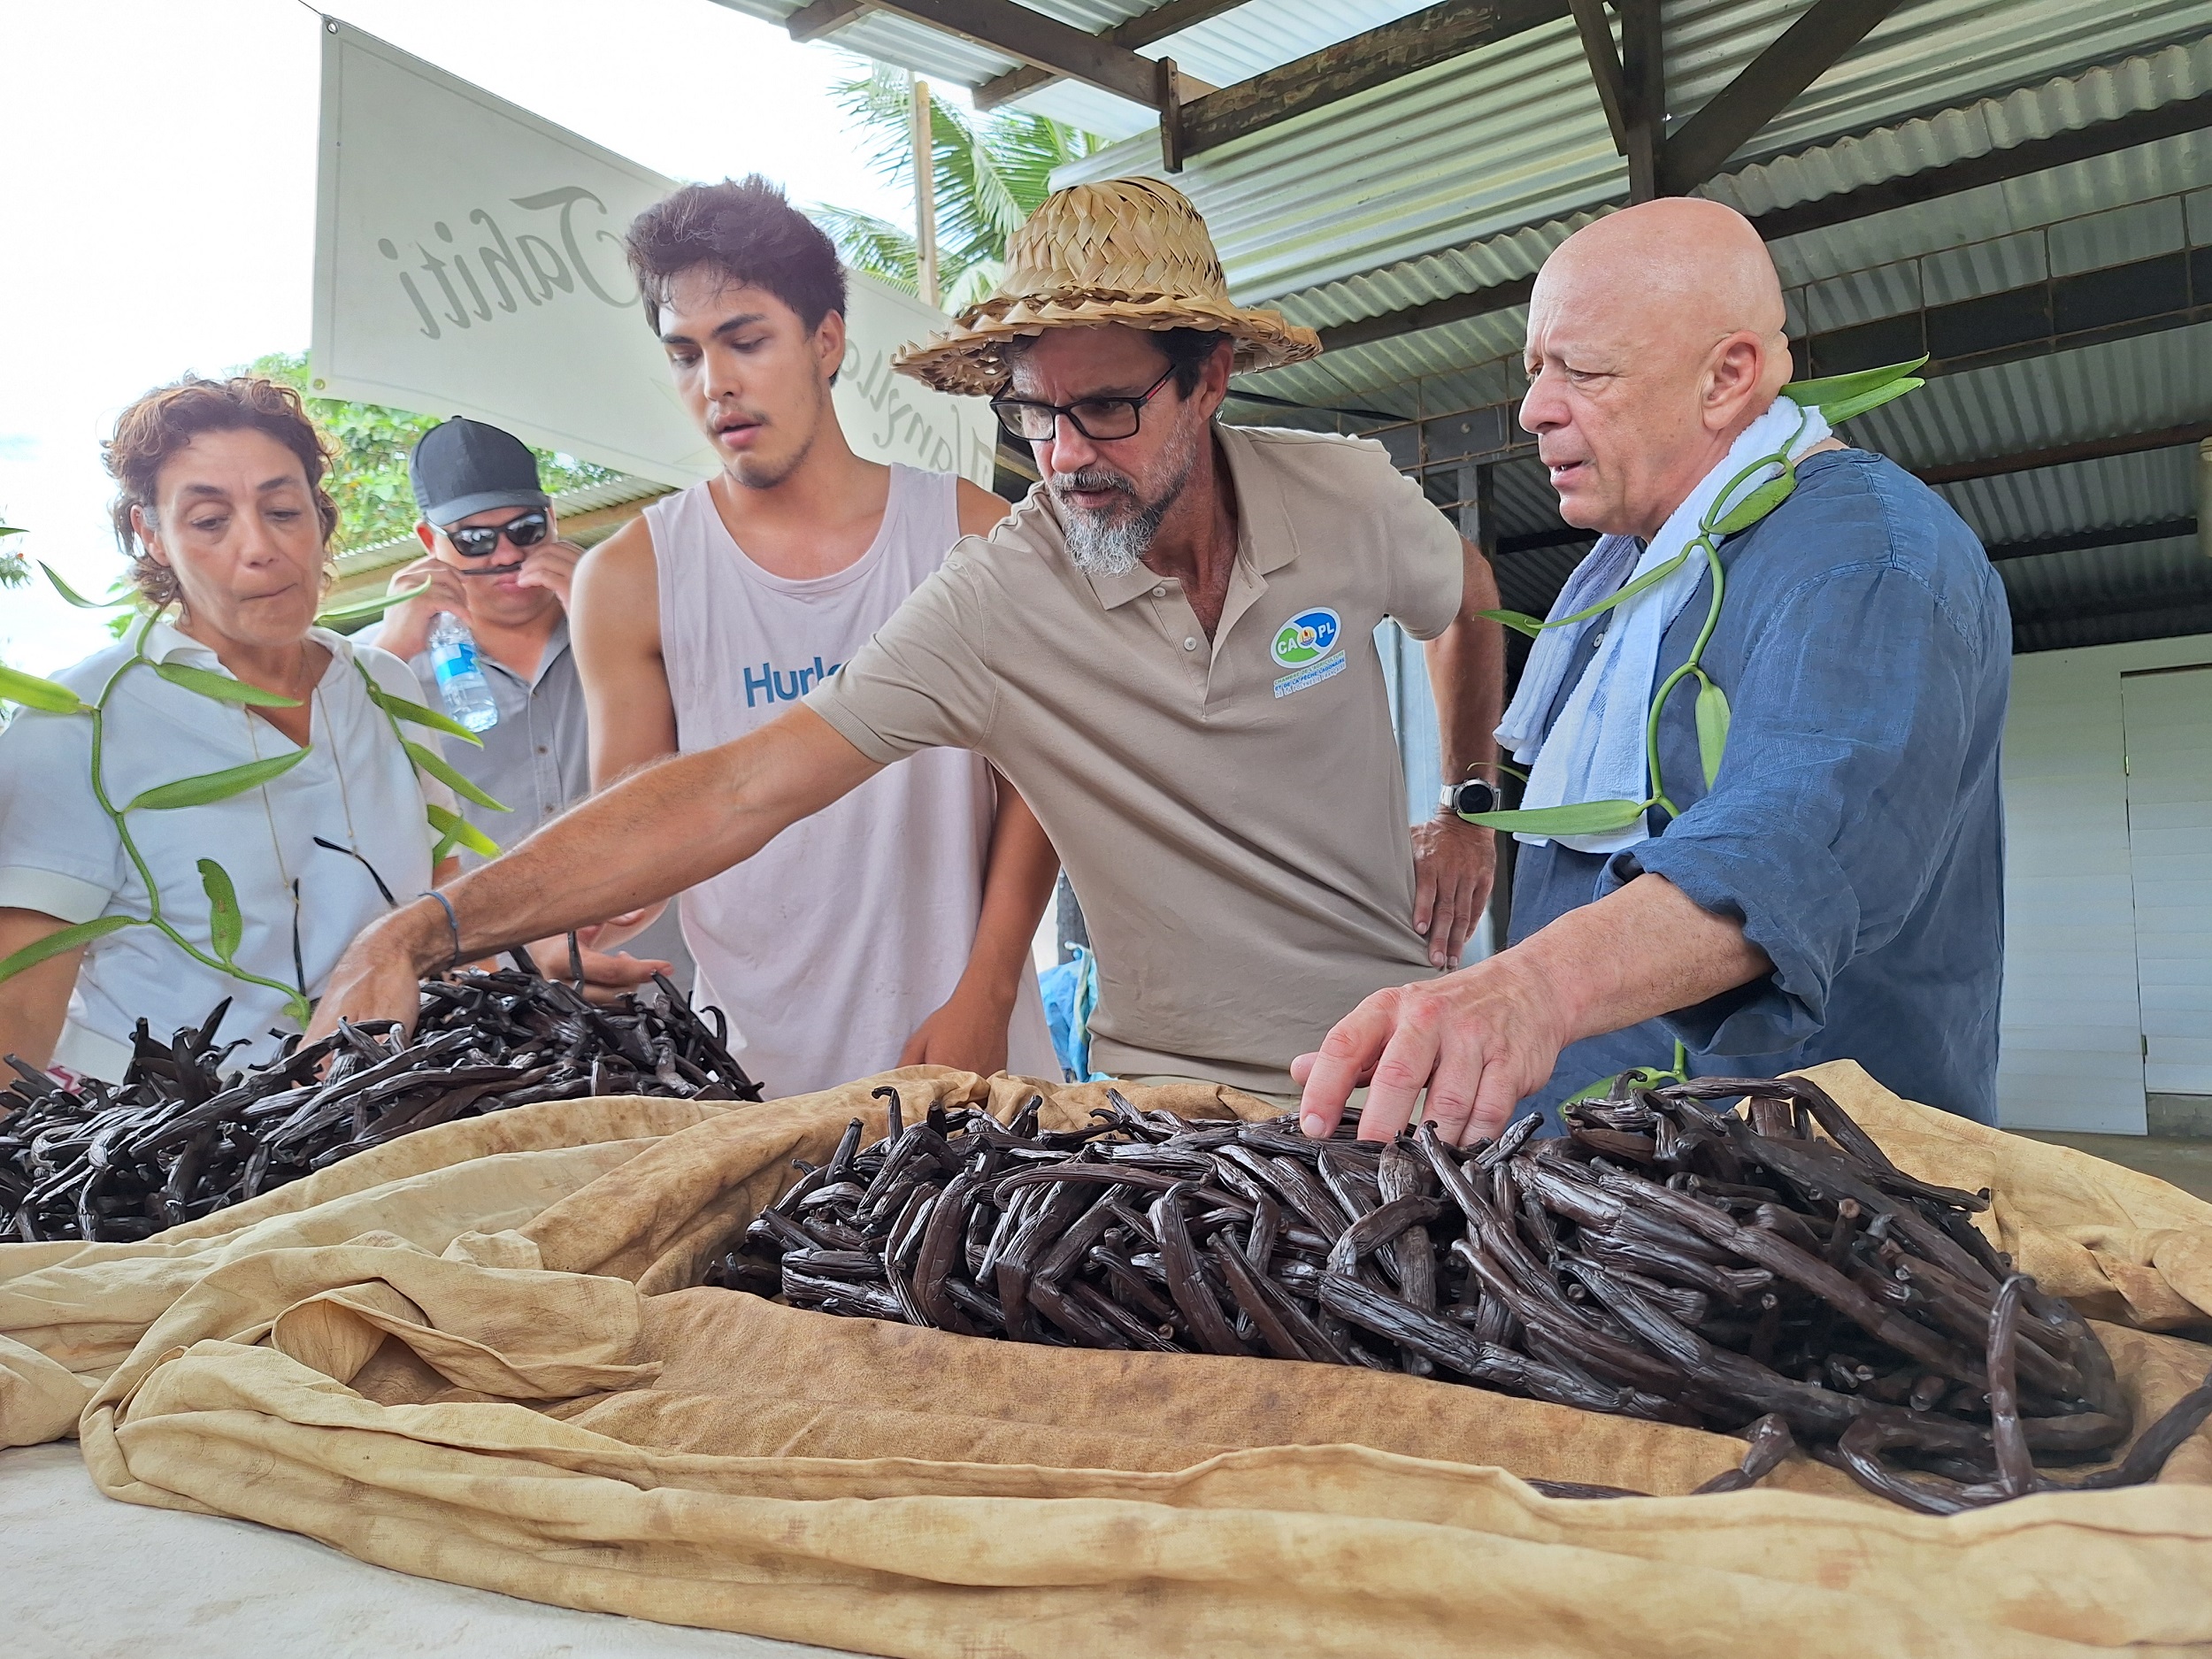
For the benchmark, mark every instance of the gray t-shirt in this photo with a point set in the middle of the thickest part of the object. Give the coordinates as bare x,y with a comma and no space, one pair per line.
537,763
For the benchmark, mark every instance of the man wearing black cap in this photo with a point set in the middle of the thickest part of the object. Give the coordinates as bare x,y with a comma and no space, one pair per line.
494,561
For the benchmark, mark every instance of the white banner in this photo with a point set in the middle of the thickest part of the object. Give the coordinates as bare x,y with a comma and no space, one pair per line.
468,261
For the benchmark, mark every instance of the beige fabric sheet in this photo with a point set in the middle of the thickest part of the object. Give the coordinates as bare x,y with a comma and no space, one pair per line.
470,1355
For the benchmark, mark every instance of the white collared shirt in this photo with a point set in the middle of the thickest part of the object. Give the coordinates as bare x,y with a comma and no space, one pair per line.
60,854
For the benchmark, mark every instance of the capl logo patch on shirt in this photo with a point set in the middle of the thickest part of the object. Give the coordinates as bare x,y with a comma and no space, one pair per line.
1306,645
1307,637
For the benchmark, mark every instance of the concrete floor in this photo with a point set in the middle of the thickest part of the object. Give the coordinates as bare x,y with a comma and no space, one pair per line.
2187,1163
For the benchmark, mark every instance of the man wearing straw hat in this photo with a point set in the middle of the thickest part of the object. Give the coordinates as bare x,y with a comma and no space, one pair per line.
1167,648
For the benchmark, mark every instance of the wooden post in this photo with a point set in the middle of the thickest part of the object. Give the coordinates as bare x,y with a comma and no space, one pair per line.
924,199
1644,95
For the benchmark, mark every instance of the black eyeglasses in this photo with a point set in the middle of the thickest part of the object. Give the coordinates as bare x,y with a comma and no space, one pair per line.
1099,419
477,540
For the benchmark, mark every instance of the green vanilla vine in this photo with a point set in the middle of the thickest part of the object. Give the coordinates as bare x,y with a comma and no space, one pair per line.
1837,399
226,921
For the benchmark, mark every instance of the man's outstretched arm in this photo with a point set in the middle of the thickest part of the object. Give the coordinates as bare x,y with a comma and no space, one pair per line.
1481,1040
667,827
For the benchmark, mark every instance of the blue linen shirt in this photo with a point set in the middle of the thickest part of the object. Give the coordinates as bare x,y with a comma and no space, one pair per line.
1856,828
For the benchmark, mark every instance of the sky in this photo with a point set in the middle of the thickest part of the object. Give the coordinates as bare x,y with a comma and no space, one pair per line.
160,166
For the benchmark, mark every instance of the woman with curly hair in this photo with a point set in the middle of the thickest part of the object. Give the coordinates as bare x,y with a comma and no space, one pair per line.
251,894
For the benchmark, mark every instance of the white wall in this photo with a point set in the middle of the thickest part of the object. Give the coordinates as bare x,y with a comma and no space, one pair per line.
2073,1038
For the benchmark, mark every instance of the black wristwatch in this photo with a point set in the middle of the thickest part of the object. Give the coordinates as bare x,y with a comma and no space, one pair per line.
1468,798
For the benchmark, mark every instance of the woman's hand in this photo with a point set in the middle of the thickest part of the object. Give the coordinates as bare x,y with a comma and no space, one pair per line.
406,630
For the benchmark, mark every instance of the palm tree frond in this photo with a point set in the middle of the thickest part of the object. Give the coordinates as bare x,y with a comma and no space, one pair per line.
871,244
990,172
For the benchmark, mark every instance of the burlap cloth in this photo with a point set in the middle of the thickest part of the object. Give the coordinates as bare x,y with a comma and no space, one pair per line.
469,1356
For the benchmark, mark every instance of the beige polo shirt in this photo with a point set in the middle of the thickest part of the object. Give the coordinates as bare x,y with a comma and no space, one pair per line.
1231,812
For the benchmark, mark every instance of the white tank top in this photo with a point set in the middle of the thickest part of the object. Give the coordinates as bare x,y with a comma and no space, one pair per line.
829,945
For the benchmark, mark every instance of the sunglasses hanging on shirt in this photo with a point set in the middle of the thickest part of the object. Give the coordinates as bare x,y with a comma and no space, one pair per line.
480,541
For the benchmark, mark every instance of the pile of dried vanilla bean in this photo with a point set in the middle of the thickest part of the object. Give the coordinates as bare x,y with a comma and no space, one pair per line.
177,1139
1770,1274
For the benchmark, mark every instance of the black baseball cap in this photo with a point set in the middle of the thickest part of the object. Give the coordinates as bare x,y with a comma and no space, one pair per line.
462,466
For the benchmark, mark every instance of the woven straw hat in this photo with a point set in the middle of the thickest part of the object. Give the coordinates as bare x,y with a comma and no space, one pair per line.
1128,250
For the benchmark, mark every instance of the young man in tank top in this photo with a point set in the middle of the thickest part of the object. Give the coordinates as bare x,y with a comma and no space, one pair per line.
894,927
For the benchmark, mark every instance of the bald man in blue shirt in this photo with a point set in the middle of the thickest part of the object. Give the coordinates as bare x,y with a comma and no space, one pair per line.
1837,890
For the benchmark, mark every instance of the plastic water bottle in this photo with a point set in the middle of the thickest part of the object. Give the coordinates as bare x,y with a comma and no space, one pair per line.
468,696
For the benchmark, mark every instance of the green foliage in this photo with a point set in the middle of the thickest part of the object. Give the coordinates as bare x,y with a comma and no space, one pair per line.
990,171
369,478
222,687
225,923
401,709
1712,726
428,761
456,831
13,572
47,695
210,787
361,610
66,939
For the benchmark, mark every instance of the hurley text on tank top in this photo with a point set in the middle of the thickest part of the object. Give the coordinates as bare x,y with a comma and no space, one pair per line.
777,688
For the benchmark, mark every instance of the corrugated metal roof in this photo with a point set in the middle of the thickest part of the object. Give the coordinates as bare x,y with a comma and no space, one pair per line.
2168,166
1513,135
1221,50
2044,229
2153,488
2140,385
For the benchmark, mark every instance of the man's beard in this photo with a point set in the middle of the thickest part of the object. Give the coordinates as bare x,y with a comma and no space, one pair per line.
1113,543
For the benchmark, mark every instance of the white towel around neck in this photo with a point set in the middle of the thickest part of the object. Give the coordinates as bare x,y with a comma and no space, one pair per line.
1595,749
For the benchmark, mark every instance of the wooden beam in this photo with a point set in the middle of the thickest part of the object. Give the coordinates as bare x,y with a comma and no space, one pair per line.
2073,540
1359,64
1146,28
1803,52
1644,94
822,17
2066,454
1994,166
1046,43
1605,66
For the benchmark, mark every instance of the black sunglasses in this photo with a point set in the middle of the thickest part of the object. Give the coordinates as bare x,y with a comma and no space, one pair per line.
479,540
1100,420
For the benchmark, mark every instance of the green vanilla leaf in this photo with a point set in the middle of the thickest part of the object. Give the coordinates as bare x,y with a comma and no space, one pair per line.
438,767
226,925
210,787
1838,388
1757,505
415,714
456,831
359,609
1838,413
1516,620
222,687
66,939
1530,626
1712,726
1583,818
72,595
48,697
13,529
1636,1077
